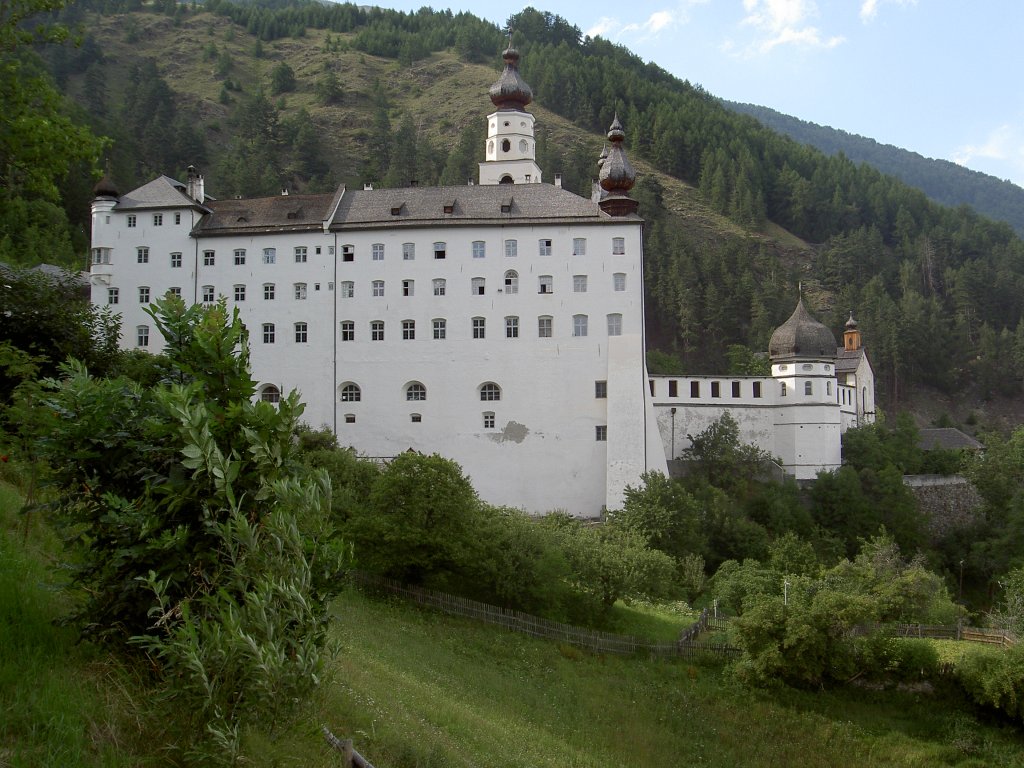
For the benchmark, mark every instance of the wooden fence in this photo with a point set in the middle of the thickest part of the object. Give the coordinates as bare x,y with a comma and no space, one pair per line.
1001,637
687,646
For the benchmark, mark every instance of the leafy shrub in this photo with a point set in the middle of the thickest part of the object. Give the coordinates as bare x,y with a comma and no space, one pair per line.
995,679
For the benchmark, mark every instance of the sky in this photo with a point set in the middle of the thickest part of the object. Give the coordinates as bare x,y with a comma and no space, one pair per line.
943,78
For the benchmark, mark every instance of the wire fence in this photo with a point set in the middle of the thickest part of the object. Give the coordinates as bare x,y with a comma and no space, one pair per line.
596,641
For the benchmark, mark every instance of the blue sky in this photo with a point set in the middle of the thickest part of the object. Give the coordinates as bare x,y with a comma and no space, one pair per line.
944,78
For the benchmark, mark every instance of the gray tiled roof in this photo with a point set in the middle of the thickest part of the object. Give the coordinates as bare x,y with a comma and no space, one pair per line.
281,213
946,438
478,204
847,360
163,192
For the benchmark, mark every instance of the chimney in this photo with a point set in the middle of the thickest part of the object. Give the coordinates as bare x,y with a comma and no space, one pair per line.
194,186
284,191
558,180
367,187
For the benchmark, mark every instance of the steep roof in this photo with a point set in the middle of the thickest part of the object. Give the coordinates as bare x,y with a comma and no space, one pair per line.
281,213
163,192
847,360
801,336
465,205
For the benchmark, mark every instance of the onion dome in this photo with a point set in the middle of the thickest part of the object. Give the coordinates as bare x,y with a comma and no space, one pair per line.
617,175
105,188
851,324
802,337
602,158
511,91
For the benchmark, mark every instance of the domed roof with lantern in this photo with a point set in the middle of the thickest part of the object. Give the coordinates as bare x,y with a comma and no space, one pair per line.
511,91
802,337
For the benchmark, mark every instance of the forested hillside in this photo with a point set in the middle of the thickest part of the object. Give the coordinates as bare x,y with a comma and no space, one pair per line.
294,94
943,181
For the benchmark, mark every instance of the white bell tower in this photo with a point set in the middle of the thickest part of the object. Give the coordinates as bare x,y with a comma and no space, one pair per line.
511,149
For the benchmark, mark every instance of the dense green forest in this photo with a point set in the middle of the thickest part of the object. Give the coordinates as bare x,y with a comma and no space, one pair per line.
299,94
943,181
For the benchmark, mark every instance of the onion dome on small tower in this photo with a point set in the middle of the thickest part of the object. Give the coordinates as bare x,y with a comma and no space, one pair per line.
851,335
617,176
511,91
802,337
105,188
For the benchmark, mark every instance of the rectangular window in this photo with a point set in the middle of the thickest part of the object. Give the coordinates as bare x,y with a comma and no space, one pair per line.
546,284
377,251
479,249
735,389
175,261
439,286
407,287
239,256
579,325
615,324
300,254
377,330
142,336
488,419
477,286
142,254
301,333
177,218
158,219
408,251
618,246
600,390
175,291
440,250
479,328
511,247
716,389
270,255
511,327
239,293
268,291
300,291
619,281
579,246
350,418
694,389
544,327
544,248
348,253
408,330
378,287
208,258
101,255
209,296
348,289
131,219
440,328
269,333
143,295
348,330
579,283
113,295
601,433
673,388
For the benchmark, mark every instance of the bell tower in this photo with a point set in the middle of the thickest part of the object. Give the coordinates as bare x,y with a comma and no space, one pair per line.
510,155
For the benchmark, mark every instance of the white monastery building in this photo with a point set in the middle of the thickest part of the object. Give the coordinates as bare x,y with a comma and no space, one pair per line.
500,324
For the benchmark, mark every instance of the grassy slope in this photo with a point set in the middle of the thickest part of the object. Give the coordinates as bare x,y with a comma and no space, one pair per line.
414,688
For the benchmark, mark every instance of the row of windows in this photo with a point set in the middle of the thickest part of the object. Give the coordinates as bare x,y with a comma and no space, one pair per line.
735,389
158,219
301,253
439,327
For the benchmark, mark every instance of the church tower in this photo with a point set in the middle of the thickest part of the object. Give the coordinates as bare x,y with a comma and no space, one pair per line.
511,149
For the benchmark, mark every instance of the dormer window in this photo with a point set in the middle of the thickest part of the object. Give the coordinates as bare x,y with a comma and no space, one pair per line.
449,207
506,204
396,210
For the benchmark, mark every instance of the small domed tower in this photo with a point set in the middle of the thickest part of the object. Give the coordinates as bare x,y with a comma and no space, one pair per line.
511,149
807,420
617,176
851,335
105,197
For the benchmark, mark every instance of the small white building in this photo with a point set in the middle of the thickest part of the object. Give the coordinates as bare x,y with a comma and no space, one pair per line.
499,324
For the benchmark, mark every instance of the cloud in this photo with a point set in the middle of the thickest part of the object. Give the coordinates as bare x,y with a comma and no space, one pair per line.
784,22
603,27
869,8
609,27
1004,147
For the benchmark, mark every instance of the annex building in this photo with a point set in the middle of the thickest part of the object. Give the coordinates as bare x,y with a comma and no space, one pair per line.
499,324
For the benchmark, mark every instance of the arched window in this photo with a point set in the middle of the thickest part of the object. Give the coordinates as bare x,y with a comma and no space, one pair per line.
506,179
415,391
490,391
782,389
511,281
350,393
270,394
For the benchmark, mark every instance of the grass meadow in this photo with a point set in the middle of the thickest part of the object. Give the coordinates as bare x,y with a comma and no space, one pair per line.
416,688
